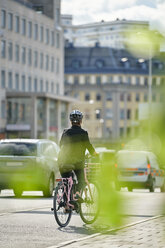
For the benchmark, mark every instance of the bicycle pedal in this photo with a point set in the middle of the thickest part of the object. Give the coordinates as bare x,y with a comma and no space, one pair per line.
52,209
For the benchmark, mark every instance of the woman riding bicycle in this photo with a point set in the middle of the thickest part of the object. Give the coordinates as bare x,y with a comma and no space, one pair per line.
73,144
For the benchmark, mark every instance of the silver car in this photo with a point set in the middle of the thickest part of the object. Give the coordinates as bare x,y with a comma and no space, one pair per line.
139,169
28,164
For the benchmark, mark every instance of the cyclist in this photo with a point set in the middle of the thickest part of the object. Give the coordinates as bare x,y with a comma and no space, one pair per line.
73,144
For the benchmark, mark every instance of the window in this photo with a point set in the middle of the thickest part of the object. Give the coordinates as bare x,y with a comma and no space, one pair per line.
3,79
57,66
110,79
128,80
23,83
129,97
3,48
120,79
35,85
122,97
57,40
29,56
29,84
47,63
47,86
137,81
52,38
137,97
87,97
99,63
136,114
98,114
10,51
122,114
41,60
87,114
23,55
109,96
153,81
30,29
17,53
10,21
36,32
146,81
162,81
109,114
3,18
98,97
41,34
3,109
47,36
35,59
128,114
10,80
52,64
23,27
52,87
41,85
17,24
145,97
17,81
87,79
76,80
98,80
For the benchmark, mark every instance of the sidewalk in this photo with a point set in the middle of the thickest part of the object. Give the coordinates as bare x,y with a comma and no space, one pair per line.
147,234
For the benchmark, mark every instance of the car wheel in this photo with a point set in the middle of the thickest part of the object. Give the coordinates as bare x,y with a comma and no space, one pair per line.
48,190
152,185
18,192
129,189
163,187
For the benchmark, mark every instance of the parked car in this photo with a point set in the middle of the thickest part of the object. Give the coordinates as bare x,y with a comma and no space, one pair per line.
139,169
28,164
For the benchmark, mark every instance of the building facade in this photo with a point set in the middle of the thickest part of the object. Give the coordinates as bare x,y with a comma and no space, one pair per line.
109,85
107,34
31,69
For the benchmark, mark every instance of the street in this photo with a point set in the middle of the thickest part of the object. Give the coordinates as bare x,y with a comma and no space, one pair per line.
28,221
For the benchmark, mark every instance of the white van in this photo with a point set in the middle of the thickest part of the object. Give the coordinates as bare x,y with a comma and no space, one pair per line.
139,169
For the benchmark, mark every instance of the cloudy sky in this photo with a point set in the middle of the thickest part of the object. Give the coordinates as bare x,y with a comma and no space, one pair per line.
86,11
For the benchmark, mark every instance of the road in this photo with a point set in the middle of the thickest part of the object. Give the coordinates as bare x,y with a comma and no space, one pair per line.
28,222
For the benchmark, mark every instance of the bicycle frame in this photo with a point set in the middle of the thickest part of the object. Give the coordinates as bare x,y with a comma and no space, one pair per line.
70,184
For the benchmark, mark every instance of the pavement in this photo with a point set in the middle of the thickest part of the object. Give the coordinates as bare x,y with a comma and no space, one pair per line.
149,233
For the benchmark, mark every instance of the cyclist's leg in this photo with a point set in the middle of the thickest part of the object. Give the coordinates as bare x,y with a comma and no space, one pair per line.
80,178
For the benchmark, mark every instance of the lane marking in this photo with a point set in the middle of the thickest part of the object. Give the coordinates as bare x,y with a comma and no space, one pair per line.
66,243
23,210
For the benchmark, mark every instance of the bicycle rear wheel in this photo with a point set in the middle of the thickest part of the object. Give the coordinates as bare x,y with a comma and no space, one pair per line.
89,208
62,216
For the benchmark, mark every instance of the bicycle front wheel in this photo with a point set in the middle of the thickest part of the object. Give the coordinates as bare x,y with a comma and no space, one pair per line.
61,214
89,208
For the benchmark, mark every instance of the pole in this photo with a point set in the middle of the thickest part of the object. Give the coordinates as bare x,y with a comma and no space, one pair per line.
150,93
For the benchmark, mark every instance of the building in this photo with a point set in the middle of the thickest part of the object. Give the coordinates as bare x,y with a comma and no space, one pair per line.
107,34
109,84
32,101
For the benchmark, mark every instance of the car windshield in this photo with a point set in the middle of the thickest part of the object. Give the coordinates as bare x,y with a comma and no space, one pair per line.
18,149
132,160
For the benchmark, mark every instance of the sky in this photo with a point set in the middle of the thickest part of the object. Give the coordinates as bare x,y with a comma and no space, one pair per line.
87,11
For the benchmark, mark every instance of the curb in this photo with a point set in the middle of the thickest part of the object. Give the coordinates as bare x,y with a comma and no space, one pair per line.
104,232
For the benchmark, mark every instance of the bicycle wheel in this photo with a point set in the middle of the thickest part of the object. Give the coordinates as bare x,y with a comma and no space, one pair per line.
62,216
89,208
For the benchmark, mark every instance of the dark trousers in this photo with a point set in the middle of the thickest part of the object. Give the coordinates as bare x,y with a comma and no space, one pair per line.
80,178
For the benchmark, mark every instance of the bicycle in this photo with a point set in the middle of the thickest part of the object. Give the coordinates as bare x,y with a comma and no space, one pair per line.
64,202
